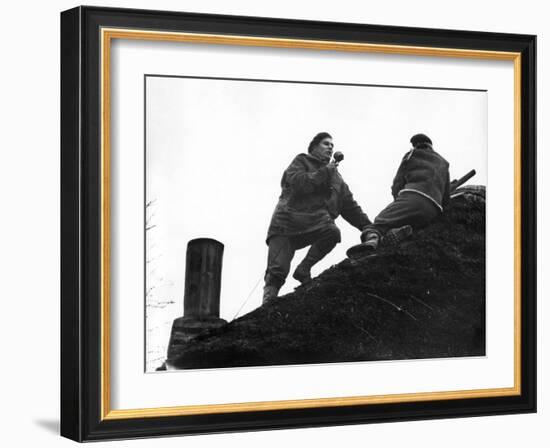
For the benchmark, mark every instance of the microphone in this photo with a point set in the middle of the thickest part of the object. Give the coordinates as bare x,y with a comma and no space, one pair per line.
338,157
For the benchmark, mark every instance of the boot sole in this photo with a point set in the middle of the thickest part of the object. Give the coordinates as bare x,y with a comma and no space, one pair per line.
395,236
360,250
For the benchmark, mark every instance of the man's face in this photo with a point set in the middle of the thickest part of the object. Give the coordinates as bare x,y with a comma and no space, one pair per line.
324,149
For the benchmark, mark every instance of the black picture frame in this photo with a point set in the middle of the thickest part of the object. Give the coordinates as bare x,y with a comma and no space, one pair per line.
81,224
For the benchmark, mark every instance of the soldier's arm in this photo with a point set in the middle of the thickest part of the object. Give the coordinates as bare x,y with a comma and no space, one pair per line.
352,211
399,179
303,181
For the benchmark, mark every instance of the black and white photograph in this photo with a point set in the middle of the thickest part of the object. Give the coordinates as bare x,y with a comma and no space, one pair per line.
304,222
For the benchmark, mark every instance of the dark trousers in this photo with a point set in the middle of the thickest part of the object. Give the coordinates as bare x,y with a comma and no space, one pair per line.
282,249
408,208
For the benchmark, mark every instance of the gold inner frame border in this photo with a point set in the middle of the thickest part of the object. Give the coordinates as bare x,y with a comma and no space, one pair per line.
107,35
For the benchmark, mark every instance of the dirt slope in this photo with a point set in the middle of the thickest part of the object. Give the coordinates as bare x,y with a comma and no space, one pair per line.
423,299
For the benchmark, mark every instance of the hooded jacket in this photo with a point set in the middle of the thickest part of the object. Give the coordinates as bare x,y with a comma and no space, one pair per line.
425,172
312,197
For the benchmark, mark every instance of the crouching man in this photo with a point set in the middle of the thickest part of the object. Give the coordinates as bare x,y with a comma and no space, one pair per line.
421,189
313,196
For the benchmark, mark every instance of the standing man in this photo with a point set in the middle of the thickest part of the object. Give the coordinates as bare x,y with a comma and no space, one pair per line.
421,189
313,196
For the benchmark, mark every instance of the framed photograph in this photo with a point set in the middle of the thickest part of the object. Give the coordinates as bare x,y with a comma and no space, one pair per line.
273,223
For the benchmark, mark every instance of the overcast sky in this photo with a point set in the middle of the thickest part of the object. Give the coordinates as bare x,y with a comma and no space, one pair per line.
216,151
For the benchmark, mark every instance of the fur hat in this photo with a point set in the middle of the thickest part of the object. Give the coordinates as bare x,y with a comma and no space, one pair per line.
419,139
